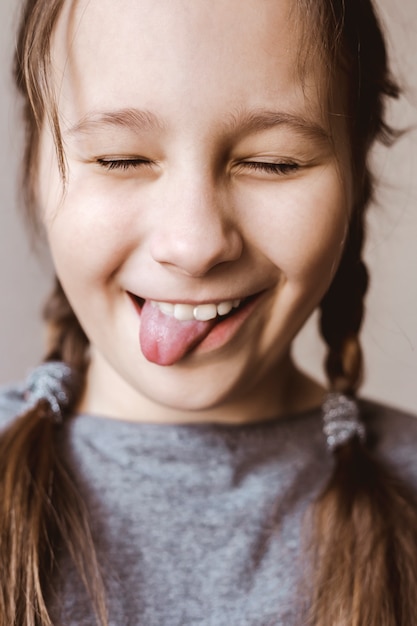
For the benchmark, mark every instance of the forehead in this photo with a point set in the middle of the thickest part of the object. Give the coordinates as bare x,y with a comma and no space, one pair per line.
180,53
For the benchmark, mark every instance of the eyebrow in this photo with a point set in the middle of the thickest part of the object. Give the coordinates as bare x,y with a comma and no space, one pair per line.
240,122
259,120
133,119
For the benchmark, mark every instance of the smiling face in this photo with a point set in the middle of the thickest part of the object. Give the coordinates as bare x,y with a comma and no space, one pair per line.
202,183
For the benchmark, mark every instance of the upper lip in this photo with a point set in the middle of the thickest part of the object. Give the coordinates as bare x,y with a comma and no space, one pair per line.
194,302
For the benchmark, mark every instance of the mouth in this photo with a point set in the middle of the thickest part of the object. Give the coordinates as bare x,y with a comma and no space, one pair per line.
169,331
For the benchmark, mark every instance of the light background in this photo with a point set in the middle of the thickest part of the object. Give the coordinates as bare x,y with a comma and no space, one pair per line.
390,331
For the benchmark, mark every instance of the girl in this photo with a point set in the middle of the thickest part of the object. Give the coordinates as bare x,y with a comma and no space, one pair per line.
200,171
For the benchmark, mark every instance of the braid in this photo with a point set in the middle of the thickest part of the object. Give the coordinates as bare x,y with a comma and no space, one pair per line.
40,508
364,524
342,310
363,545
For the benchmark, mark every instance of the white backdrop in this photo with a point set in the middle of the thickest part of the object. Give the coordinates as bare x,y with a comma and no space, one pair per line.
390,333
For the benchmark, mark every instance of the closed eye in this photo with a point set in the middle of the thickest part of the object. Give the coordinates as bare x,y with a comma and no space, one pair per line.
280,169
123,164
277,169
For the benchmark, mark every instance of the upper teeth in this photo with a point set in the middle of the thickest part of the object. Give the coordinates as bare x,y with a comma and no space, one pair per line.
201,312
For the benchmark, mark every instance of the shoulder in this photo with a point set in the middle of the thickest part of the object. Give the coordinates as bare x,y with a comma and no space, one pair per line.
392,435
11,404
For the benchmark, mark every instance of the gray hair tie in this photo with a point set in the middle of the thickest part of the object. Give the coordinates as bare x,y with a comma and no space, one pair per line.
341,420
53,381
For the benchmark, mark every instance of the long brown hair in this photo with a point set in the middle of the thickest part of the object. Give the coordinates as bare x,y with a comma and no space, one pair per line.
364,524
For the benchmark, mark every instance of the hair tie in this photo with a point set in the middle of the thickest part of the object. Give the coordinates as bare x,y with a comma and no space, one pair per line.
52,381
341,420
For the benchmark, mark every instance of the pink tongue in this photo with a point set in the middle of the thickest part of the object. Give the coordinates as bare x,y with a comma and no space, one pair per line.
164,340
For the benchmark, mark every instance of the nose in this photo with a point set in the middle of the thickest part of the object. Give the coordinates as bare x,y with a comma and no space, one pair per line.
196,229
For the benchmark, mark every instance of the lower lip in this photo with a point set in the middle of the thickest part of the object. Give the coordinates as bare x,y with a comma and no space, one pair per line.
224,331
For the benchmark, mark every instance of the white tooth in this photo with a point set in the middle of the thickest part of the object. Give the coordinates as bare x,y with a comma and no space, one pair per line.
236,303
166,307
205,312
224,307
184,312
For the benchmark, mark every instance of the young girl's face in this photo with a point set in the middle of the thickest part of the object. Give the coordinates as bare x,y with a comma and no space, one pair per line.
201,172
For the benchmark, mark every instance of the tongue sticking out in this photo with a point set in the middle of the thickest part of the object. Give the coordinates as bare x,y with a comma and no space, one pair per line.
165,340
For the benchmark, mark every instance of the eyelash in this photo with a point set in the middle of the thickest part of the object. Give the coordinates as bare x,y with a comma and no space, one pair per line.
277,169
280,169
123,164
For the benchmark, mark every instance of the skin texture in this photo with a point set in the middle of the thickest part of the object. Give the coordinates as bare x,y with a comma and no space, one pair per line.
191,217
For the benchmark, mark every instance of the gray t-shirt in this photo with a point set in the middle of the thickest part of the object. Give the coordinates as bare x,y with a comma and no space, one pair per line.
202,524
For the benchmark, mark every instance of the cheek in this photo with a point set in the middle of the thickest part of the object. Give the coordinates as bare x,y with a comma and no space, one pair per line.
91,231
301,225
89,228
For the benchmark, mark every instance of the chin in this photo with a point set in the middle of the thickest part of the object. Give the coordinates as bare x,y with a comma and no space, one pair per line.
185,389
